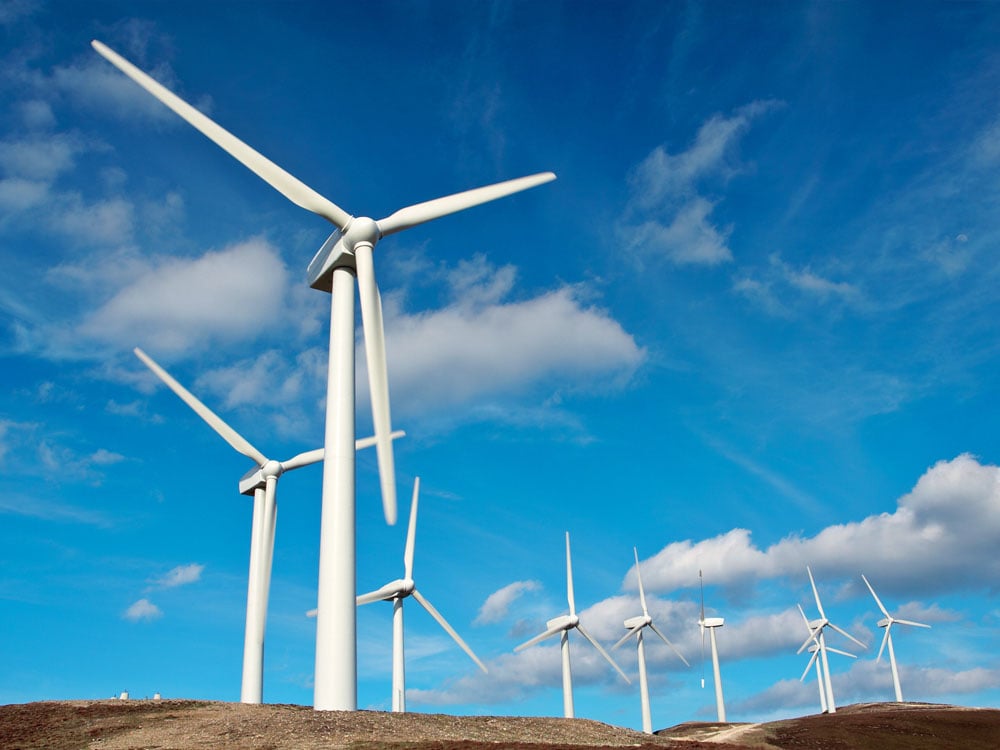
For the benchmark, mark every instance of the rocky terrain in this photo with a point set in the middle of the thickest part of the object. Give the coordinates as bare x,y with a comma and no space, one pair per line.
194,725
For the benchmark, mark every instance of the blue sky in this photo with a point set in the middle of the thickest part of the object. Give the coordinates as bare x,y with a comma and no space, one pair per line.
750,327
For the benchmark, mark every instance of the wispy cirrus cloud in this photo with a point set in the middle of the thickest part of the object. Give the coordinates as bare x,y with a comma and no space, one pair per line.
181,575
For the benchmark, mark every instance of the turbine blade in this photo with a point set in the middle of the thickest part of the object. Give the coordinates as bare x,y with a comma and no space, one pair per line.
239,443
603,653
847,635
378,378
911,622
411,532
885,639
569,580
411,216
638,575
810,639
842,653
368,442
296,191
819,604
667,641
389,591
540,637
812,660
317,455
448,628
628,635
875,596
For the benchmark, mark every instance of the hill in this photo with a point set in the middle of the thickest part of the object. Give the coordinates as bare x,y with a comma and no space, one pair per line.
197,725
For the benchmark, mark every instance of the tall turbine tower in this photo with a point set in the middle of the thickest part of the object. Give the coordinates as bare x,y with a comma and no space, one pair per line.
814,659
710,624
635,626
562,625
887,622
347,254
395,592
816,628
262,483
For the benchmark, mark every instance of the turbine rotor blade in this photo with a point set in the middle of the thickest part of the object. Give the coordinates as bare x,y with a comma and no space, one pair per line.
810,639
569,580
419,213
378,379
875,596
638,575
812,660
448,628
666,640
317,455
842,653
628,635
847,635
239,443
295,190
911,622
540,637
603,653
411,532
885,639
819,604
389,591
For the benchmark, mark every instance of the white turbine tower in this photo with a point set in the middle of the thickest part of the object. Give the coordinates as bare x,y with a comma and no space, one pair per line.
635,626
563,624
814,650
346,254
816,628
710,624
396,591
887,622
261,482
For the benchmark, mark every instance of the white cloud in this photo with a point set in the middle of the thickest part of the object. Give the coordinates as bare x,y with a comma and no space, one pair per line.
179,576
942,534
498,603
142,611
689,238
781,284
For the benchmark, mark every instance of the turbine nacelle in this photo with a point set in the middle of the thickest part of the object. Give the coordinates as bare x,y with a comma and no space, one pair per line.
563,622
712,622
884,622
257,477
639,621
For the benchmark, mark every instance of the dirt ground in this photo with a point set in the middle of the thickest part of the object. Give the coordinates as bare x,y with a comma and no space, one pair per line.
198,725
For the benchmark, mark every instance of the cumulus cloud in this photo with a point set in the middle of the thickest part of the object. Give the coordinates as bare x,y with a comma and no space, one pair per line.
142,611
941,535
179,576
668,212
498,603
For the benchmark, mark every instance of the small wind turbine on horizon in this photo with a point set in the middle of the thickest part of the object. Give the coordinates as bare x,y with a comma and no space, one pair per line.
816,628
562,625
635,626
814,650
395,592
710,624
887,622
262,483
346,255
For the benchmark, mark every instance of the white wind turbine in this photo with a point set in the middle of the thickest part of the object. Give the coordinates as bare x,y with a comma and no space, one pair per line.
262,483
814,650
395,592
635,626
710,624
887,622
346,254
563,624
816,628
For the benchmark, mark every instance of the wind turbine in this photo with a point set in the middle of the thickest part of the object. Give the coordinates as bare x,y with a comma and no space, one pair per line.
710,624
562,625
346,254
816,628
262,483
887,622
814,650
635,626
398,590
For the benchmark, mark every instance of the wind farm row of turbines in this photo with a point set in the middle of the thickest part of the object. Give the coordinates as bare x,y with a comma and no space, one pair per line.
345,257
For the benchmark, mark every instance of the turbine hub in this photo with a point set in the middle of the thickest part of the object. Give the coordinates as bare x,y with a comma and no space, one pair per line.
361,230
271,469
406,586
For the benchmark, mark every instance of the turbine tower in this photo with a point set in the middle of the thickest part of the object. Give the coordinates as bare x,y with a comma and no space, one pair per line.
635,626
395,592
814,650
262,483
710,624
887,622
347,254
562,625
816,628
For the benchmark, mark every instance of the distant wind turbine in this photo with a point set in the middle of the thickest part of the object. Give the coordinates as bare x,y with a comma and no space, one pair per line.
710,624
562,625
887,622
814,650
635,626
262,483
816,628
346,255
398,590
